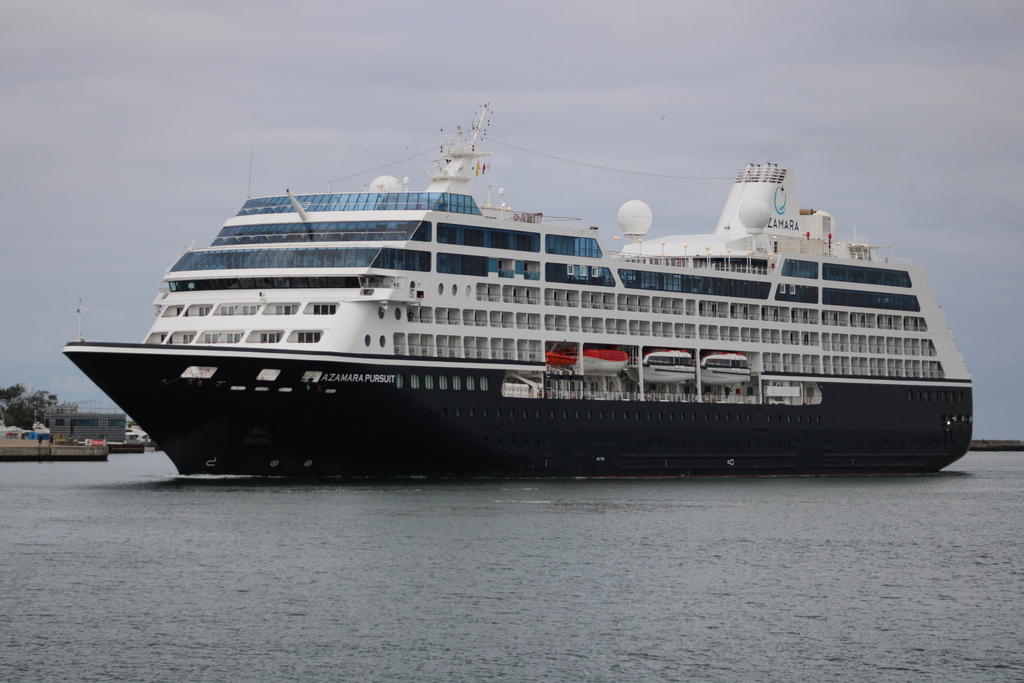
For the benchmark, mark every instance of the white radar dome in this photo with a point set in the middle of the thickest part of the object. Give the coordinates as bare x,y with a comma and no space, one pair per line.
635,219
386,183
754,214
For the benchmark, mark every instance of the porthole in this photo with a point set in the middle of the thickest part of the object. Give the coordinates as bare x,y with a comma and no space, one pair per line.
380,312
382,341
456,382
455,290
483,384
470,383
400,380
440,288
398,312
428,381
442,382
366,340
414,381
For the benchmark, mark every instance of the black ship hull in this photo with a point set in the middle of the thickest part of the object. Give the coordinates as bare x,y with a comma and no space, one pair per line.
359,418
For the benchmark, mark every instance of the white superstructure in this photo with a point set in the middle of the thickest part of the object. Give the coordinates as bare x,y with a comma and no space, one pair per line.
434,274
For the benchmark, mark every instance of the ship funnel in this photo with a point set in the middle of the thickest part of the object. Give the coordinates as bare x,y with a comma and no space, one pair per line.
762,198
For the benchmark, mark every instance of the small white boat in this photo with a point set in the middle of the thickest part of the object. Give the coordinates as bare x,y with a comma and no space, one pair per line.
11,432
665,367
724,368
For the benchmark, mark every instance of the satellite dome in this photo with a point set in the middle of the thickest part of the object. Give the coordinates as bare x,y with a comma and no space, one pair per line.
754,214
386,183
635,219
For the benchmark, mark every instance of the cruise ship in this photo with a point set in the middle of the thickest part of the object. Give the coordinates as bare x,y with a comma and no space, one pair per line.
390,332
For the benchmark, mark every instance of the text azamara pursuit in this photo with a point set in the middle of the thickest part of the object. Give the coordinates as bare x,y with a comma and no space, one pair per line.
427,334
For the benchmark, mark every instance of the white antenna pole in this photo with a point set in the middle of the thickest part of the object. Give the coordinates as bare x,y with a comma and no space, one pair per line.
80,313
252,153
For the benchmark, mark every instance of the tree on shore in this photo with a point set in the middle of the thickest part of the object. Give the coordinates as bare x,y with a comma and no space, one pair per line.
22,408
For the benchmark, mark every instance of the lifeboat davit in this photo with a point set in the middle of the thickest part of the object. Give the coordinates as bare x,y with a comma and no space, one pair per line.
665,367
604,361
724,368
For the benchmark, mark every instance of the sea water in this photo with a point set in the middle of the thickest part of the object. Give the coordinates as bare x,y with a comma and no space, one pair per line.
122,571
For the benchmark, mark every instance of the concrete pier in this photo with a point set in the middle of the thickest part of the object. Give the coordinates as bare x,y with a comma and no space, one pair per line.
23,450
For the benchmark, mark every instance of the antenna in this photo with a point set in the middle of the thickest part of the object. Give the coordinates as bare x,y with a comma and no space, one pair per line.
80,314
252,152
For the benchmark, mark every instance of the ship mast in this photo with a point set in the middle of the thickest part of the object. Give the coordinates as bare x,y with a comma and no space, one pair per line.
451,172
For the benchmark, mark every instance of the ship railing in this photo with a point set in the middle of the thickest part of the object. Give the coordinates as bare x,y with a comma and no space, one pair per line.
556,392
561,220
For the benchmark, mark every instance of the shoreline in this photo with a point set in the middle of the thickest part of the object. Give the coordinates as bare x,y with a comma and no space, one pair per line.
996,445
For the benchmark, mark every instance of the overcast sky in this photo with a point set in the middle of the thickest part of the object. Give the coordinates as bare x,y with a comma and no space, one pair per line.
128,128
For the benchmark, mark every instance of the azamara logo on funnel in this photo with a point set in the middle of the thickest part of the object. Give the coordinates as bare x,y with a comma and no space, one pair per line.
780,195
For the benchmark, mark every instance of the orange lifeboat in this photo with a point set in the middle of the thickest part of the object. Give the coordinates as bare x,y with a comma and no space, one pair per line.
604,361
562,357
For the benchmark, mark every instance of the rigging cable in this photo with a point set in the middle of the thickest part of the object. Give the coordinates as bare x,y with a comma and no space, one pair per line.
603,168
379,168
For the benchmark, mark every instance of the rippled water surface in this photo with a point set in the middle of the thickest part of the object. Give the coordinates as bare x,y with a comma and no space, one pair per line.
121,571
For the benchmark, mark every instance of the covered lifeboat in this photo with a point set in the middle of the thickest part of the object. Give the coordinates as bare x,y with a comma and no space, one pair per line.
665,367
724,368
604,361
